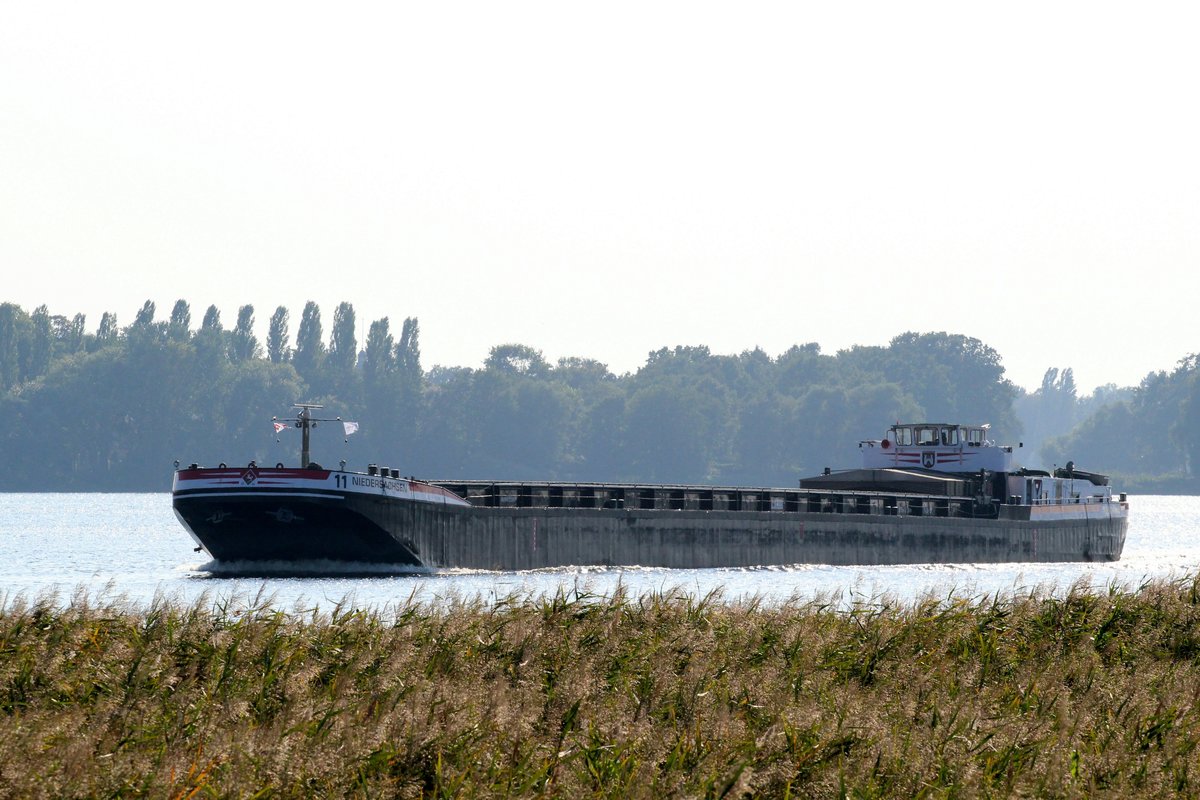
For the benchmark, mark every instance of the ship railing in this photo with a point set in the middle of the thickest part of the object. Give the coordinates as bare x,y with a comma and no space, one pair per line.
666,497
1094,499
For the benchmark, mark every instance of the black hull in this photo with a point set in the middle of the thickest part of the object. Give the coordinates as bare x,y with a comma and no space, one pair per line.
379,529
283,528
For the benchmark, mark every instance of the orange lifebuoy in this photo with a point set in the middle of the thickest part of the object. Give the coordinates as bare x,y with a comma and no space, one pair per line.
885,444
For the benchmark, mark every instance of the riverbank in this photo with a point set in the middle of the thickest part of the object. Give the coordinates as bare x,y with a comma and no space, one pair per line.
1083,693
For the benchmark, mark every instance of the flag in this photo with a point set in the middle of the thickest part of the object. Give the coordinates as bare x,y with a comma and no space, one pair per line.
279,426
350,427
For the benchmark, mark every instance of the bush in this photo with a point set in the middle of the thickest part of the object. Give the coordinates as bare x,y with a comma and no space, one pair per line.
1081,693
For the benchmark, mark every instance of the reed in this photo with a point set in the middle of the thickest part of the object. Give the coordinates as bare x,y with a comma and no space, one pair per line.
1076,694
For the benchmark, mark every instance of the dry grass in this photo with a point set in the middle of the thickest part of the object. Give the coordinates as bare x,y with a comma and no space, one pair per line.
1083,694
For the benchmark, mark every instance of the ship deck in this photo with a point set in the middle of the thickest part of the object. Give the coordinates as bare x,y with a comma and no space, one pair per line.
684,497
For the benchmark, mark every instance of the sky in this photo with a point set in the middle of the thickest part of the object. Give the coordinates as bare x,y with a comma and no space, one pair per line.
603,180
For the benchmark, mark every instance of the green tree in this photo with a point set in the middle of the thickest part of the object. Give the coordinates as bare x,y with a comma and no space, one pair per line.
445,440
1186,430
144,328
180,326
253,392
954,378
277,337
517,359
379,388
870,408
803,366
343,347
10,367
379,356
42,342
599,438
408,360
1107,441
1052,410
212,346
310,350
212,319
764,442
155,391
410,382
707,391
245,343
1149,435
822,429
108,332
582,373
520,422
74,338
665,434
145,316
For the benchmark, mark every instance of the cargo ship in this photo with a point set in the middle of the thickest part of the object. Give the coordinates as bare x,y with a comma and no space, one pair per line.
924,493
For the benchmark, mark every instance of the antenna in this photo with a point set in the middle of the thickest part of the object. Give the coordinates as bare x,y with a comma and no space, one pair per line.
305,421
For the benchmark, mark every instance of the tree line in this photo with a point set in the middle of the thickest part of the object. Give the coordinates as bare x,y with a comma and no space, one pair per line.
111,409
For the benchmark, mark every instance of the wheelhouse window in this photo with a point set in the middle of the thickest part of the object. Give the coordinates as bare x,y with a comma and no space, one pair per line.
950,437
902,437
926,436
975,437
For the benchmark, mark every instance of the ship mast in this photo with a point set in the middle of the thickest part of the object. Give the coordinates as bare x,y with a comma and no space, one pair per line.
305,421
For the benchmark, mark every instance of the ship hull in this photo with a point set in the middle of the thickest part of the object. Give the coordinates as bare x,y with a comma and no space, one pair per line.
536,538
291,522
281,528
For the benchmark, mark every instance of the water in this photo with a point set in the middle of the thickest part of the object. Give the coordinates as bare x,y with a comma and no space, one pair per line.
130,546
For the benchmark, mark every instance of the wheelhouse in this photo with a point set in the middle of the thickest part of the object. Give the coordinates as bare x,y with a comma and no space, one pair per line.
935,435
939,446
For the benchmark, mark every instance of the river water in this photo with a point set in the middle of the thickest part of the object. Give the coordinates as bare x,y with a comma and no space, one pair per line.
130,547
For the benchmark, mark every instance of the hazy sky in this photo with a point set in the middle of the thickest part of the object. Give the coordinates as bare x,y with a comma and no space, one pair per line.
606,179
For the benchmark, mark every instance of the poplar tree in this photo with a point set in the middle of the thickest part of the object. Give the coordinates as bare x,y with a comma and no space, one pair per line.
379,355
211,342
245,343
212,320
408,361
309,349
9,357
76,334
277,336
179,328
146,316
343,347
106,333
379,385
408,381
39,355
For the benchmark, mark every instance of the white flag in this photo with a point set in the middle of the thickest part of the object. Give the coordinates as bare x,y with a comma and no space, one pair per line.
351,427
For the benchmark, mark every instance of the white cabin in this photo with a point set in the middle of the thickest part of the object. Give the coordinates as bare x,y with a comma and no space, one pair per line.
948,447
1039,489
939,446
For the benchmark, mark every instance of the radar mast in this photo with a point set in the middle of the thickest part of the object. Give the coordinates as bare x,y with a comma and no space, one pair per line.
305,421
